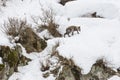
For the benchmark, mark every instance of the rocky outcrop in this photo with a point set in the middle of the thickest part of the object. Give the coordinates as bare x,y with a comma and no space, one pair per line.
64,70
11,58
31,41
102,71
19,31
68,70
69,73
99,71
66,74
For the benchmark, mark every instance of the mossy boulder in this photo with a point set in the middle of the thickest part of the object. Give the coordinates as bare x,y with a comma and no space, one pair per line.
4,51
1,67
11,58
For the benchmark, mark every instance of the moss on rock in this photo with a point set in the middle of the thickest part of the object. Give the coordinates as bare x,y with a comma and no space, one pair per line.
1,67
13,58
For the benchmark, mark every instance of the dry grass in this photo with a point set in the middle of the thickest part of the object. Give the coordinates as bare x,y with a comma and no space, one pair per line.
47,22
13,27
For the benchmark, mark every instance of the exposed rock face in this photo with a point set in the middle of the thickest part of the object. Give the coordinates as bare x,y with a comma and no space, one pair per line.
69,73
11,58
67,70
89,77
31,41
66,74
101,70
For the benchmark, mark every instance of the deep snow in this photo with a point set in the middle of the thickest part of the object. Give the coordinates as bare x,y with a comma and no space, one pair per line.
99,37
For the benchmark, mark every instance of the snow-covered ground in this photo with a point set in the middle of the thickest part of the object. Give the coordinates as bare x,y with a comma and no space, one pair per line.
96,40
115,78
99,37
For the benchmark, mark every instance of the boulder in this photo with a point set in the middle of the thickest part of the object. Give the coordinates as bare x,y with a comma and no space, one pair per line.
11,58
101,70
66,74
31,41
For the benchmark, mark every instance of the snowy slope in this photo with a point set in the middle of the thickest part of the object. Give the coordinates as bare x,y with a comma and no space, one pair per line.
98,37
81,7
96,40
115,78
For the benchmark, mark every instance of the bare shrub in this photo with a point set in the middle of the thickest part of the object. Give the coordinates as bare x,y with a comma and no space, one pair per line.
14,26
47,22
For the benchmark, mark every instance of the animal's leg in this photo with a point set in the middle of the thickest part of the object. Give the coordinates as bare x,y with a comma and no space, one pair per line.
64,34
77,32
72,32
68,35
